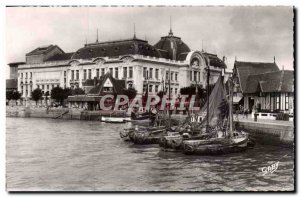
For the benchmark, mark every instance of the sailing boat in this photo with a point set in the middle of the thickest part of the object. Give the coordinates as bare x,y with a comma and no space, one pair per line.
191,130
150,135
224,138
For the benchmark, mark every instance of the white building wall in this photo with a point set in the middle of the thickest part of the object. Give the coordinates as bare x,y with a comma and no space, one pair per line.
50,73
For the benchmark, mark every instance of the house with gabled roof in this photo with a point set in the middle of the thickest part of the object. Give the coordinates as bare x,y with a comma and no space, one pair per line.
95,89
264,87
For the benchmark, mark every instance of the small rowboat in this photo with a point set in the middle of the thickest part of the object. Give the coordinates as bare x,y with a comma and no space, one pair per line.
115,119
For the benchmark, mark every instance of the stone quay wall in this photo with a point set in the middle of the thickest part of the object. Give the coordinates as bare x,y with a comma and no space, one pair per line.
269,133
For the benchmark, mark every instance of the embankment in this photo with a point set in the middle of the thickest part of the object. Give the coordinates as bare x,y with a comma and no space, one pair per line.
269,133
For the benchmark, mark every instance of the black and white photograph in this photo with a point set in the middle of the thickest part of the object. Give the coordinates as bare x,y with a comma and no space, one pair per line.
150,98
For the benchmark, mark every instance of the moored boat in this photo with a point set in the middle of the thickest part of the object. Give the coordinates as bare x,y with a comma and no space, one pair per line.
215,146
110,119
224,138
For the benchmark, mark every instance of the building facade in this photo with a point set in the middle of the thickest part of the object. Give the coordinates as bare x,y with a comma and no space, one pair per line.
264,87
133,60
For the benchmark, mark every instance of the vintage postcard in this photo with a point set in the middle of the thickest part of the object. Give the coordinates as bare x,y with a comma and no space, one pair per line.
150,98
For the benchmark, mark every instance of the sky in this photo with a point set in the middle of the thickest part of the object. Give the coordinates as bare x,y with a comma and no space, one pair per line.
244,33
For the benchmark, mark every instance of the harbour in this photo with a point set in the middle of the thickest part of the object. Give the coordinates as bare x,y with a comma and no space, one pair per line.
164,114
67,155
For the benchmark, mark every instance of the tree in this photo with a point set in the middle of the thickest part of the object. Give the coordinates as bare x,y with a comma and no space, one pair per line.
8,96
57,94
160,94
67,92
16,95
36,95
78,91
130,92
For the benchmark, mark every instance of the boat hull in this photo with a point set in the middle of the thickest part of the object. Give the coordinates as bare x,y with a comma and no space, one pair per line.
215,146
171,142
147,137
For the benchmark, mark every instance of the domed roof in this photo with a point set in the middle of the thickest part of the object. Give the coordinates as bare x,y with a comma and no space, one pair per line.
172,47
116,48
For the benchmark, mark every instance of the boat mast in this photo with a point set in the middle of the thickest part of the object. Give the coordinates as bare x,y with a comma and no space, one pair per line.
230,107
169,75
207,97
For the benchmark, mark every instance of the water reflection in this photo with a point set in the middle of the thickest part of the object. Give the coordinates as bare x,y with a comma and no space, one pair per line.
64,155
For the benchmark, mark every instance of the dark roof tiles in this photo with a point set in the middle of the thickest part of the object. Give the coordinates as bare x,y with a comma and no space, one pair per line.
278,81
170,42
244,69
43,50
116,48
60,57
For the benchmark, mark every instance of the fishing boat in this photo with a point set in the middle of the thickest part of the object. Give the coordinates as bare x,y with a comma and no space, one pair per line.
151,135
218,135
127,134
223,137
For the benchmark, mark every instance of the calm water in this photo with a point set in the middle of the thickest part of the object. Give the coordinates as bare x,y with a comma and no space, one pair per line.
46,154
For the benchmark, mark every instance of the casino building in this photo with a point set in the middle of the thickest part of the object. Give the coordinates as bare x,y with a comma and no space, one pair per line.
134,60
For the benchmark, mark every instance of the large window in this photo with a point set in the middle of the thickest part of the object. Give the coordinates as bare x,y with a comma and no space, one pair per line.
172,76
125,72
84,74
195,75
90,73
191,75
111,71
278,101
286,101
151,73
144,72
77,74
102,71
156,88
167,76
176,75
72,75
97,73
156,73
130,72
116,73
150,88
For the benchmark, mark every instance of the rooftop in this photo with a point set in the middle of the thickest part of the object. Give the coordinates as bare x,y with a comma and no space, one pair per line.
278,81
245,69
